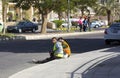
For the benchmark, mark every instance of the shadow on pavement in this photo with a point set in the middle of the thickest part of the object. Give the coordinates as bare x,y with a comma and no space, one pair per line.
114,49
43,46
105,68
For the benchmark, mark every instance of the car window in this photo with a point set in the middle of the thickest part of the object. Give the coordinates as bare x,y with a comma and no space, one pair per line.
20,23
29,24
115,25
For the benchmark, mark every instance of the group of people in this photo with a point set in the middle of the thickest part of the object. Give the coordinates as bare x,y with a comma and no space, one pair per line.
61,49
83,24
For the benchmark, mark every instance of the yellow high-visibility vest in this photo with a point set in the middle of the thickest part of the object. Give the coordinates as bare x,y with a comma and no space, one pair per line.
55,53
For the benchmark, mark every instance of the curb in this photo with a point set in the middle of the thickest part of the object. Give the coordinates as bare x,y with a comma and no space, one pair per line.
49,36
12,38
46,36
76,70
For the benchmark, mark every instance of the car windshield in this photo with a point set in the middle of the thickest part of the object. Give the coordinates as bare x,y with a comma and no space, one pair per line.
115,25
20,23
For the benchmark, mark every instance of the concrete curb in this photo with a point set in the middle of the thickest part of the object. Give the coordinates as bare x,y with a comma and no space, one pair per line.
46,36
49,36
12,38
73,67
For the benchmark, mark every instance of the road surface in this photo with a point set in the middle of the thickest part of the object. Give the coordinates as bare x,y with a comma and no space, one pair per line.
16,55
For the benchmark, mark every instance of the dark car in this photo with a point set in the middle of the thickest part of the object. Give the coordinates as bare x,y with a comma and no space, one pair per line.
23,26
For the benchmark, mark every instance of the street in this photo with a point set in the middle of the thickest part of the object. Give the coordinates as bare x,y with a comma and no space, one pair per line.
16,55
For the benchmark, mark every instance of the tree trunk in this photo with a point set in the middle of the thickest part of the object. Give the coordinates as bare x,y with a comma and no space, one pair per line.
82,12
108,16
44,23
60,15
4,15
18,14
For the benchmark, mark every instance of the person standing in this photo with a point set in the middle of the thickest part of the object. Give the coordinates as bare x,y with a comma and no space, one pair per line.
85,24
80,23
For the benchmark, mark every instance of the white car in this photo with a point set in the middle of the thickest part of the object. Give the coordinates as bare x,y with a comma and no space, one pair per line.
112,33
65,24
95,24
102,23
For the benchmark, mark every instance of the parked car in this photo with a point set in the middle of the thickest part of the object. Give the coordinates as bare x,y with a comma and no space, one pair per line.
23,26
112,33
65,24
1,27
102,23
95,24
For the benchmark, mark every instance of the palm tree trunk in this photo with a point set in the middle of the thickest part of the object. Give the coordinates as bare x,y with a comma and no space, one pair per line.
4,15
82,12
60,15
108,16
44,23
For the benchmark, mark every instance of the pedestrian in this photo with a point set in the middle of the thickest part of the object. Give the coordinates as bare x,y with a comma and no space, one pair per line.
85,24
66,47
80,23
56,53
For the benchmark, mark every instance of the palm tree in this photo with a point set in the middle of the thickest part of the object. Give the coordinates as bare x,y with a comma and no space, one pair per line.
109,6
84,4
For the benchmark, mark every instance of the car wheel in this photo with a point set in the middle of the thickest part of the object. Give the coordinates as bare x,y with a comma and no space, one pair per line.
63,26
33,30
19,30
96,26
107,42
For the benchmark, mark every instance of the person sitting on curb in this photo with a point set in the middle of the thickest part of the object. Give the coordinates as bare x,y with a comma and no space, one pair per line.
66,47
56,53
57,49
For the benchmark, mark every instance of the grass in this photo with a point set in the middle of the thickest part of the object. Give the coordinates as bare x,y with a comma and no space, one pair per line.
104,26
65,29
9,35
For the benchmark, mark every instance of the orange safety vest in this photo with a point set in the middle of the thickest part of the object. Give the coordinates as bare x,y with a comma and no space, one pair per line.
66,48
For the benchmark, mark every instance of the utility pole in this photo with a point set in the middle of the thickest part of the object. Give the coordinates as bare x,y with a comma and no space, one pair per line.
68,15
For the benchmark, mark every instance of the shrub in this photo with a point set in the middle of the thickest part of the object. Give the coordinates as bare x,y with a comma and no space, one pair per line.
58,23
9,35
74,23
117,21
10,14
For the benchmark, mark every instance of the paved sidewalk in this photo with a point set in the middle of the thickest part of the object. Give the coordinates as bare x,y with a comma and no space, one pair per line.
77,66
50,35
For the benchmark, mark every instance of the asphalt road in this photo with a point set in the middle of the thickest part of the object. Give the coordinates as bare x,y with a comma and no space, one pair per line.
16,55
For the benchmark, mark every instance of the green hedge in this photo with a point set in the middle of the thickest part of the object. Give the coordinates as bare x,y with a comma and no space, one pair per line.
117,21
9,35
74,23
58,23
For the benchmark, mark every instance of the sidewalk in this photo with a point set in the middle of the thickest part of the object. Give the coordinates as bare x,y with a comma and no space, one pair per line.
50,35
74,67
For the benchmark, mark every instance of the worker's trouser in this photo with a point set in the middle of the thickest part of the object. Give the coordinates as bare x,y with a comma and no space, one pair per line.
52,56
